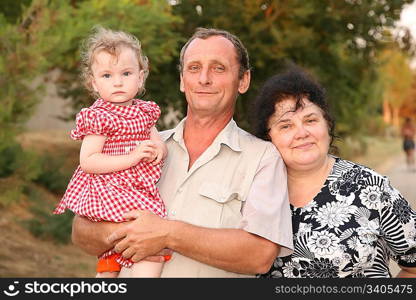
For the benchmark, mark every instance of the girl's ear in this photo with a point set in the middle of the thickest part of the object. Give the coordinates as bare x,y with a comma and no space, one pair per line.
94,84
141,79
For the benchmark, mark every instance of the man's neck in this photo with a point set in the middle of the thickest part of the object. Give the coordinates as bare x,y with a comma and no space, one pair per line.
199,133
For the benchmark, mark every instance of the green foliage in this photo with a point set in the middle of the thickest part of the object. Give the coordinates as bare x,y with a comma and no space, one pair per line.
9,154
53,176
44,224
337,41
10,194
47,226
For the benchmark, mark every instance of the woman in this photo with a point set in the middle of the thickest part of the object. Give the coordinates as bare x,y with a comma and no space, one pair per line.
347,219
408,132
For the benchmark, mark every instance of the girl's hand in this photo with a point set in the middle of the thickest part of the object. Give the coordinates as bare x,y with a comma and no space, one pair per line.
146,151
161,152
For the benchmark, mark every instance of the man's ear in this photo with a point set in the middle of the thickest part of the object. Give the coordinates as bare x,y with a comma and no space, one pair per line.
181,87
244,83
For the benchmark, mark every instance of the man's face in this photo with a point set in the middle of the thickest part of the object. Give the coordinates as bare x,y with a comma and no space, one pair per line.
210,77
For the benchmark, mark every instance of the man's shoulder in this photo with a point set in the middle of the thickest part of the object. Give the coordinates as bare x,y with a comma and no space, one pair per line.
252,140
250,143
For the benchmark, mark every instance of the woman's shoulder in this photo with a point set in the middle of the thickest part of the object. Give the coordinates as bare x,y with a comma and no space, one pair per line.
344,166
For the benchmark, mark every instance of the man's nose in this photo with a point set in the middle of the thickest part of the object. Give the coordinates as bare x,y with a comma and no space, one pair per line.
205,77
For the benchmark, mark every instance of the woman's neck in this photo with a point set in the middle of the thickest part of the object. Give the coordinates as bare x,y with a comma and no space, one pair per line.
305,184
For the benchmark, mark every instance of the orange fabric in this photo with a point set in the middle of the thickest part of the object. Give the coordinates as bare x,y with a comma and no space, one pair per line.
167,257
108,264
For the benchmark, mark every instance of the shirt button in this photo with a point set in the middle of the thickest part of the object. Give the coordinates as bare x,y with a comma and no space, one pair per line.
180,190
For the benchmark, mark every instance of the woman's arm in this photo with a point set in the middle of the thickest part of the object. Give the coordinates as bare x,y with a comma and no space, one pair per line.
407,272
93,161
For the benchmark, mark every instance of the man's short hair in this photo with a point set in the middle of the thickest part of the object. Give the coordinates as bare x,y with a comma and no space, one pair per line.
204,33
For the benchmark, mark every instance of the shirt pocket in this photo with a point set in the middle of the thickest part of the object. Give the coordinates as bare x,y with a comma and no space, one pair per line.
225,204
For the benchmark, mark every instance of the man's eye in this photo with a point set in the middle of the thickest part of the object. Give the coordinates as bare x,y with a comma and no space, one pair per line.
219,69
193,68
285,126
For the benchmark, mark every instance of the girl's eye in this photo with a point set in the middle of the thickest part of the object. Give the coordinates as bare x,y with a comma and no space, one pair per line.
106,75
127,73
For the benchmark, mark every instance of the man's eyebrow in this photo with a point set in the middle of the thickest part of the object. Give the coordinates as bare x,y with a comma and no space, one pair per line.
197,61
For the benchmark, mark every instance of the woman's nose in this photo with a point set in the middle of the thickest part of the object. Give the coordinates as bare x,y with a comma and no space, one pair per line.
301,132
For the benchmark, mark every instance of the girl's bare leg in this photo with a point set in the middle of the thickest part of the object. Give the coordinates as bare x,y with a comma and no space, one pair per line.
142,269
107,275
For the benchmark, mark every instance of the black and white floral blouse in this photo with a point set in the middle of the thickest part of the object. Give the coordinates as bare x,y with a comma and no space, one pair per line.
350,229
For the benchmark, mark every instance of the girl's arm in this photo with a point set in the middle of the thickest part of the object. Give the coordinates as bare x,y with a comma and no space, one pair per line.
93,161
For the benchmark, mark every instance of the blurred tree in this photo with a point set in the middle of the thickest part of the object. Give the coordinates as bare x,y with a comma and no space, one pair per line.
397,78
335,40
150,21
12,9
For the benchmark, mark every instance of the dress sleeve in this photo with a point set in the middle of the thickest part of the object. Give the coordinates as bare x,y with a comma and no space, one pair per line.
398,224
89,121
152,109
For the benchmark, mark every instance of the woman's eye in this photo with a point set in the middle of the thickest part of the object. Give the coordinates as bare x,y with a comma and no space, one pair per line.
311,120
286,126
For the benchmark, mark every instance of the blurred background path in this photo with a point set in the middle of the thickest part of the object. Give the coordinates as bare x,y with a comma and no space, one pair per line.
405,181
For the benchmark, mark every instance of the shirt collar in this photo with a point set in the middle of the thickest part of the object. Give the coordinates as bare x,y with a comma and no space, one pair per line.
228,136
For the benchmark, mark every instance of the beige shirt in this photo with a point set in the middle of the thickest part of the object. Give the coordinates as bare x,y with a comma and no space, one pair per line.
238,182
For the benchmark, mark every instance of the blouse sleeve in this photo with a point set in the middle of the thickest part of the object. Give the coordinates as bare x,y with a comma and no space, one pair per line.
398,224
89,121
152,109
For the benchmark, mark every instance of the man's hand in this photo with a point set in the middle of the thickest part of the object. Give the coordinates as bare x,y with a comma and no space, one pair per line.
144,236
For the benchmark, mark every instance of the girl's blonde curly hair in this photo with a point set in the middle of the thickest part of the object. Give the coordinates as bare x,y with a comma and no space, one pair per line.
103,39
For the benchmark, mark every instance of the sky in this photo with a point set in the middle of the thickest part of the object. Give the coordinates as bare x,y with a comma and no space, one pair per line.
408,19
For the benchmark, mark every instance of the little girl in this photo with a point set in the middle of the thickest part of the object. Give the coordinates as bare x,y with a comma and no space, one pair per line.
121,152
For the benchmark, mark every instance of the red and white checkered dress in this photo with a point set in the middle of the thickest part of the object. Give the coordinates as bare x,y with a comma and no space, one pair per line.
106,197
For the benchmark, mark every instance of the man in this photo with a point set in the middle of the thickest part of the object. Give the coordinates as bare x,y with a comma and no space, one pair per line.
224,189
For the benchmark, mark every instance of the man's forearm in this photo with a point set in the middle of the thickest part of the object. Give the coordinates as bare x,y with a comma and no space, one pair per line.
234,250
92,236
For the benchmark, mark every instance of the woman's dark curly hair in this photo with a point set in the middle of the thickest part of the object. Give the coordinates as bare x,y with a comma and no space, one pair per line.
295,84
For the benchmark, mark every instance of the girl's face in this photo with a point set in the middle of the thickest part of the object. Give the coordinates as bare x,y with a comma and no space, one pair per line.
117,79
301,136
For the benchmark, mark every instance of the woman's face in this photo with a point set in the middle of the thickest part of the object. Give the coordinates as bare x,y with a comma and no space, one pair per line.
301,136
